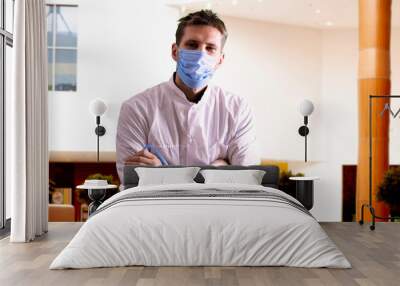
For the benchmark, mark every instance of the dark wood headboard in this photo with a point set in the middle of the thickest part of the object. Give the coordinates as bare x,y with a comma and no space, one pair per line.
270,179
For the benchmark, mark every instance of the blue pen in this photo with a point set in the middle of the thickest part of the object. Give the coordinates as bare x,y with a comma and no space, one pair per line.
153,149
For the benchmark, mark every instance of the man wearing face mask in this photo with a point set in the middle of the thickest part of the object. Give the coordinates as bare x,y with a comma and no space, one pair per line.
187,120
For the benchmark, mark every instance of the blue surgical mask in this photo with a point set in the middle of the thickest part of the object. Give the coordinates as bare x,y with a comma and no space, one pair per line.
195,68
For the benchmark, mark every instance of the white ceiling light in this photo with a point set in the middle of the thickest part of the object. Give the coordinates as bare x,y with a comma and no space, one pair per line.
317,11
342,13
209,5
183,9
328,23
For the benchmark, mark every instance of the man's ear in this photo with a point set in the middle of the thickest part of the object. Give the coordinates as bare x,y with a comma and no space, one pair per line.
174,52
221,60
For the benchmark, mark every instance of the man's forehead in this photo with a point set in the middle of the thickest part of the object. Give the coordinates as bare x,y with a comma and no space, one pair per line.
202,34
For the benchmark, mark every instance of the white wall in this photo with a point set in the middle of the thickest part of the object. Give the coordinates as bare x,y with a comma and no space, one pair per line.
122,52
394,150
339,109
275,67
337,106
118,60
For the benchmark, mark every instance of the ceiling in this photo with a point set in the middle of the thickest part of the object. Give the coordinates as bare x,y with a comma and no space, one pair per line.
320,14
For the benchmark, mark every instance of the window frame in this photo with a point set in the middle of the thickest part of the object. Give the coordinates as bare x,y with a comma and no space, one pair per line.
6,39
54,47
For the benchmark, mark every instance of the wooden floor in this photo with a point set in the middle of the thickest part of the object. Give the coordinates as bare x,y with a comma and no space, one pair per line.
374,255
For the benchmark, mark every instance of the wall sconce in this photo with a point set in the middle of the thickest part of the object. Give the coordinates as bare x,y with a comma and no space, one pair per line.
306,108
97,107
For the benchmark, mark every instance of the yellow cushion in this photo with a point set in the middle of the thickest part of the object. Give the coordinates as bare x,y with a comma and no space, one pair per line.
283,166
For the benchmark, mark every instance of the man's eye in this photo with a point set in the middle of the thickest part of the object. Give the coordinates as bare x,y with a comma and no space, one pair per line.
194,46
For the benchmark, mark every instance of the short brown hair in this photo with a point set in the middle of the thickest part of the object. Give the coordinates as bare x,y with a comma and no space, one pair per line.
202,17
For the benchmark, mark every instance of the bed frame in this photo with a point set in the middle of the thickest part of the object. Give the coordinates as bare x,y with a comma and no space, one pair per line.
270,179
304,191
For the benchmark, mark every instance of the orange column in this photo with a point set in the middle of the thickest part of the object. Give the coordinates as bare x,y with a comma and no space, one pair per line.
373,79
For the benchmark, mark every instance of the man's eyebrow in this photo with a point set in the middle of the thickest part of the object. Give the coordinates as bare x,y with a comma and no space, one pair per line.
196,41
191,41
212,44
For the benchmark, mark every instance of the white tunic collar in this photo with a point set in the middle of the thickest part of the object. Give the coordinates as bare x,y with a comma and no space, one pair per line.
181,94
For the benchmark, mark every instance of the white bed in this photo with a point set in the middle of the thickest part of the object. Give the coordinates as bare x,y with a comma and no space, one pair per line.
264,229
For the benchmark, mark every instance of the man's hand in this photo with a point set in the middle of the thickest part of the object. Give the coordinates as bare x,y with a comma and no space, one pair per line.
144,158
219,162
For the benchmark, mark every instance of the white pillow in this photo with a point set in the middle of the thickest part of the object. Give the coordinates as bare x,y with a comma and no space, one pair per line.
249,177
162,176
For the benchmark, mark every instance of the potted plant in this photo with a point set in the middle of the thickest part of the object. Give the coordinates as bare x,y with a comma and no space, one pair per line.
287,185
389,191
98,176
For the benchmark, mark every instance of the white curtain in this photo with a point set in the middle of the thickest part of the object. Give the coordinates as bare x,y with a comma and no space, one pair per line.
28,148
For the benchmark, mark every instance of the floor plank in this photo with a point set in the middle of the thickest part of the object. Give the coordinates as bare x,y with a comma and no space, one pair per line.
375,257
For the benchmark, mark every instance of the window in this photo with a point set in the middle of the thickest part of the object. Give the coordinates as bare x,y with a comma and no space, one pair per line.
6,43
62,47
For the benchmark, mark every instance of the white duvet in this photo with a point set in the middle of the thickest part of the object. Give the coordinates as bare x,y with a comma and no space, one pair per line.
200,231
